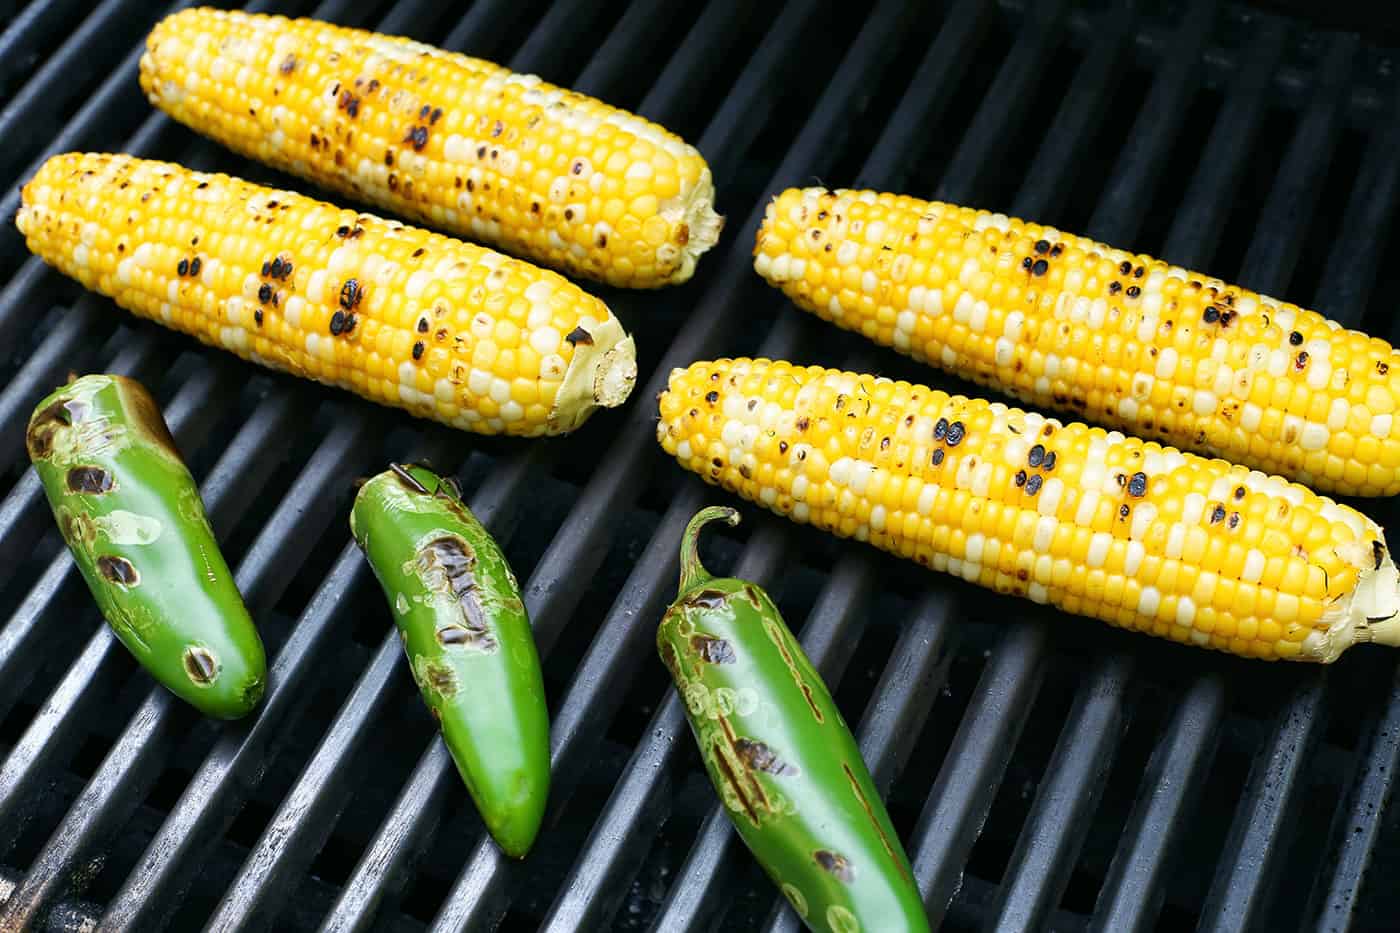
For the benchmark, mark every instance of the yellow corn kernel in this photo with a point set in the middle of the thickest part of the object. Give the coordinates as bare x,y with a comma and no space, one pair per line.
343,298
1061,321
454,142
998,500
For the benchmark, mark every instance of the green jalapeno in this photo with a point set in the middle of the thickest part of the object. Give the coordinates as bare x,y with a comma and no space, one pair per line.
468,640
780,756
135,524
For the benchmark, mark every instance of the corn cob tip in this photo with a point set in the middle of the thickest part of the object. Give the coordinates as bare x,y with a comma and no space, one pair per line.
1371,614
702,225
600,375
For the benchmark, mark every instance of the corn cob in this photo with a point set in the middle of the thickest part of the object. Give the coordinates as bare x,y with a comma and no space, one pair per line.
441,328
1060,321
1098,524
455,142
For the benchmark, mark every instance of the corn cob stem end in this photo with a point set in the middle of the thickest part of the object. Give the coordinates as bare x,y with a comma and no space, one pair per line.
1371,614
702,228
600,375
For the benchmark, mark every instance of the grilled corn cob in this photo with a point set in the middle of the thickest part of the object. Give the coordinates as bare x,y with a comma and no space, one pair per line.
1125,340
441,328
456,142
1128,531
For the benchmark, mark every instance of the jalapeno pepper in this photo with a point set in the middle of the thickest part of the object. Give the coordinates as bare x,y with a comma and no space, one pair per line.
468,640
135,524
780,756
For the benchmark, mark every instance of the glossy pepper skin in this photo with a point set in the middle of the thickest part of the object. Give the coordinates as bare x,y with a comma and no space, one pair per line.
468,640
780,756
135,525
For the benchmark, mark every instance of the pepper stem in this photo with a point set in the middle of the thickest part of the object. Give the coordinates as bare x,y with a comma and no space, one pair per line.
693,573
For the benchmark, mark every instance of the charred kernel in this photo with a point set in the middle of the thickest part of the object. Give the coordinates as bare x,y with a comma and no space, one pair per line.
1042,246
1056,250
1295,338
1137,486
418,350
195,265
1124,510
1133,291
422,325
1037,456
436,115
712,397
1234,520
1033,484
1049,463
1239,493
1040,267
1211,315
417,137
1122,480
337,323
350,319
940,429
265,293
1115,287
1302,361
182,267
258,316
1382,368
956,432
1020,478
1125,267
579,336
1137,273
351,294
1217,514
1027,263
938,456
341,232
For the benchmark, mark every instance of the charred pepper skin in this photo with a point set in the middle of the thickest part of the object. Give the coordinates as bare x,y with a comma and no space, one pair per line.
780,756
468,640
134,522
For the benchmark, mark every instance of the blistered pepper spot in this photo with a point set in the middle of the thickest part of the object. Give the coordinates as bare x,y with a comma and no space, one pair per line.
91,480
200,665
118,570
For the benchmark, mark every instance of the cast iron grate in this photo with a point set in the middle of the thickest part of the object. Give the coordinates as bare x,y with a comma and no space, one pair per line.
1044,772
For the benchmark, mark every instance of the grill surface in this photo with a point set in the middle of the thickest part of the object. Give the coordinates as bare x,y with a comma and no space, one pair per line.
1044,772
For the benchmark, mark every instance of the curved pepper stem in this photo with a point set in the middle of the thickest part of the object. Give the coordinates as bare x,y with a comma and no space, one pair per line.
693,573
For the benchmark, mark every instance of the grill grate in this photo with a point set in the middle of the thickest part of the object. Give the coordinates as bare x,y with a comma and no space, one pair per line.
1093,780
